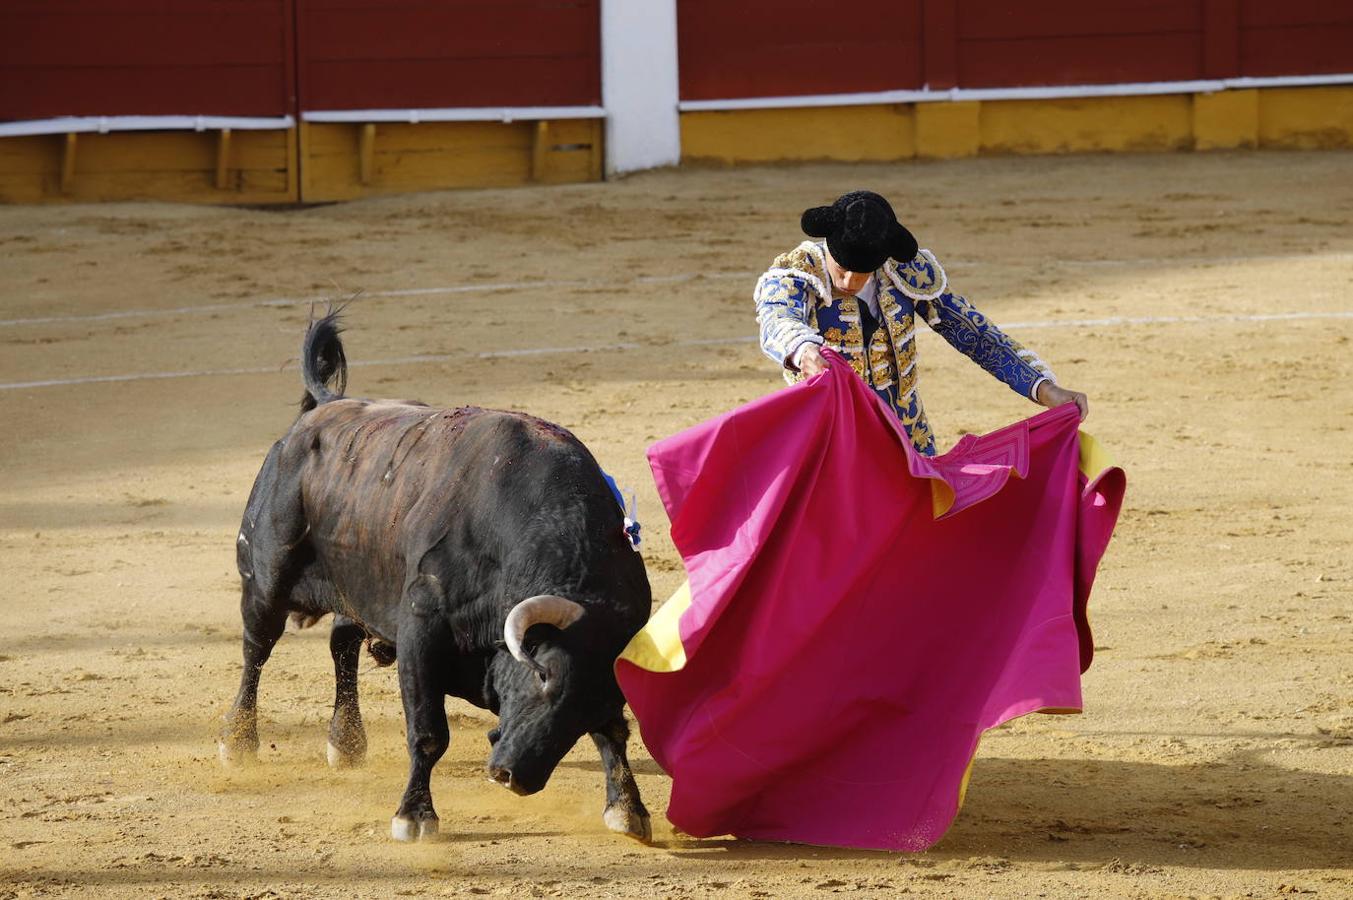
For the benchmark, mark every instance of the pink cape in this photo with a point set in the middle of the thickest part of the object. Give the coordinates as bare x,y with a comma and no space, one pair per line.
858,614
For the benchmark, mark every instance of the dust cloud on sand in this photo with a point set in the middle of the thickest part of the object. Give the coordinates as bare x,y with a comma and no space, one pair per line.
1203,302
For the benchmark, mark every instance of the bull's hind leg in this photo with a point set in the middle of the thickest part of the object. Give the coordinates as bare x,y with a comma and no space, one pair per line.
625,812
423,691
347,737
263,625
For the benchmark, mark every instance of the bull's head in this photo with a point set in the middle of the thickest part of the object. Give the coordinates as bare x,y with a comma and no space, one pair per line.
554,684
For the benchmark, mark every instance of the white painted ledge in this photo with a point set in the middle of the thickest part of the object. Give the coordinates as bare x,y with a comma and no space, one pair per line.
105,124
1059,92
459,114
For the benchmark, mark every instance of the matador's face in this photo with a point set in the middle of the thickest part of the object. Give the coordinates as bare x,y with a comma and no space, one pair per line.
844,280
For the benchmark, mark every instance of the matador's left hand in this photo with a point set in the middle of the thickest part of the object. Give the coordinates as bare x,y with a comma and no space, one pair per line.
1051,395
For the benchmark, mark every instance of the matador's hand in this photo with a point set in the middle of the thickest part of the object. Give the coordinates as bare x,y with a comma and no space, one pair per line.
1051,395
811,361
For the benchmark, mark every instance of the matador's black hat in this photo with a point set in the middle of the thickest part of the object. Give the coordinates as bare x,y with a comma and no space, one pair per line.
861,231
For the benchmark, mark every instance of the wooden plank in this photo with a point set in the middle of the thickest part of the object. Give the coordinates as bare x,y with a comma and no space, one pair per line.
222,158
596,169
437,83
765,48
939,44
143,58
184,187
762,70
143,90
333,139
366,153
1001,20
1079,60
293,179
720,25
174,166
539,147
31,155
1266,13
573,153
1296,50
448,32
305,132
1221,38
181,38
439,155
68,162
138,7
259,149
377,55
141,151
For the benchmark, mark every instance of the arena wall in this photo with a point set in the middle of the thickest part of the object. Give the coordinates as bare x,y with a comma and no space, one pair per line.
990,77
277,101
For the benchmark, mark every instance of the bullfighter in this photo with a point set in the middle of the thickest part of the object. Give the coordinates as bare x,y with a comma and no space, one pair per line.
858,290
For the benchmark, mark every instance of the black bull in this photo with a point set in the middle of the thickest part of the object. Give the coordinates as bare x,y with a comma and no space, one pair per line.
480,549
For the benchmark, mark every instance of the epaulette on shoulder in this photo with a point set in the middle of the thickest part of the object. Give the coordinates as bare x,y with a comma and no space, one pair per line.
804,263
921,278
806,257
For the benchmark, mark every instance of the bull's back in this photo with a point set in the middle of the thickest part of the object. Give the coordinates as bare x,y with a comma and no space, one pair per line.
384,483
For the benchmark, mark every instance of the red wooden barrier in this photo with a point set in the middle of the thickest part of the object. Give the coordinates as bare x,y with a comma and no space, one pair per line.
768,48
1296,37
757,48
382,54
1004,44
145,57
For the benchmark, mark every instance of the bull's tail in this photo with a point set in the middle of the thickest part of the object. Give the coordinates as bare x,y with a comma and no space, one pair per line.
323,364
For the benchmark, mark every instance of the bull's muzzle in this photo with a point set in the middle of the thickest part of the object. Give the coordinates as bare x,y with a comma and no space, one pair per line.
499,775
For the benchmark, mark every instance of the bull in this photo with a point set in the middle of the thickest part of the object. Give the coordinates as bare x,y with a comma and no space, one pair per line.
480,551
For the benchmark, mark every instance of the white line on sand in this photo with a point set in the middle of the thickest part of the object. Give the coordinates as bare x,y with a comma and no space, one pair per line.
1110,322
491,288
500,286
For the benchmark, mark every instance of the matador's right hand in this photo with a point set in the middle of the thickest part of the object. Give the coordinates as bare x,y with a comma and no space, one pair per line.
810,361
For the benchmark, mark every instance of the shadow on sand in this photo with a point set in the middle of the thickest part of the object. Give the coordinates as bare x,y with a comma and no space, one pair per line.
1238,813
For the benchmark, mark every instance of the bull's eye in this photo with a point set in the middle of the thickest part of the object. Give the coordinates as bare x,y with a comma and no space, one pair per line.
543,677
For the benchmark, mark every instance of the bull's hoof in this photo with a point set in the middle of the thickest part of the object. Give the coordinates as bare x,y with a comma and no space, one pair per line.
629,823
343,759
236,756
408,830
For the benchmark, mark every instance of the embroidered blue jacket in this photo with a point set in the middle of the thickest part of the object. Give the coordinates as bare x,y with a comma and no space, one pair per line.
795,305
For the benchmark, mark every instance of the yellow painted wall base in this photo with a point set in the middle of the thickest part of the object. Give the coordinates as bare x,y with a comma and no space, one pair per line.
1280,118
342,161
1087,125
251,167
1318,118
1225,120
312,163
320,162
878,133
947,130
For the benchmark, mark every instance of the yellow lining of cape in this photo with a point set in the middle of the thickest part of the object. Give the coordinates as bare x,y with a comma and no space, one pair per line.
657,647
1094,461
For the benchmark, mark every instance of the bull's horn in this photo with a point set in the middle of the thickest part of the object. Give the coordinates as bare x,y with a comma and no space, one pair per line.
544,609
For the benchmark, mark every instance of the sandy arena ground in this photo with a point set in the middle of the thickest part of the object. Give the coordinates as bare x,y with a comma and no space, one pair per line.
1205,303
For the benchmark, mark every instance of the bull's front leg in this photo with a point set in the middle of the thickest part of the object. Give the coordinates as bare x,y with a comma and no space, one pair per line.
347,737
625,812
422,690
